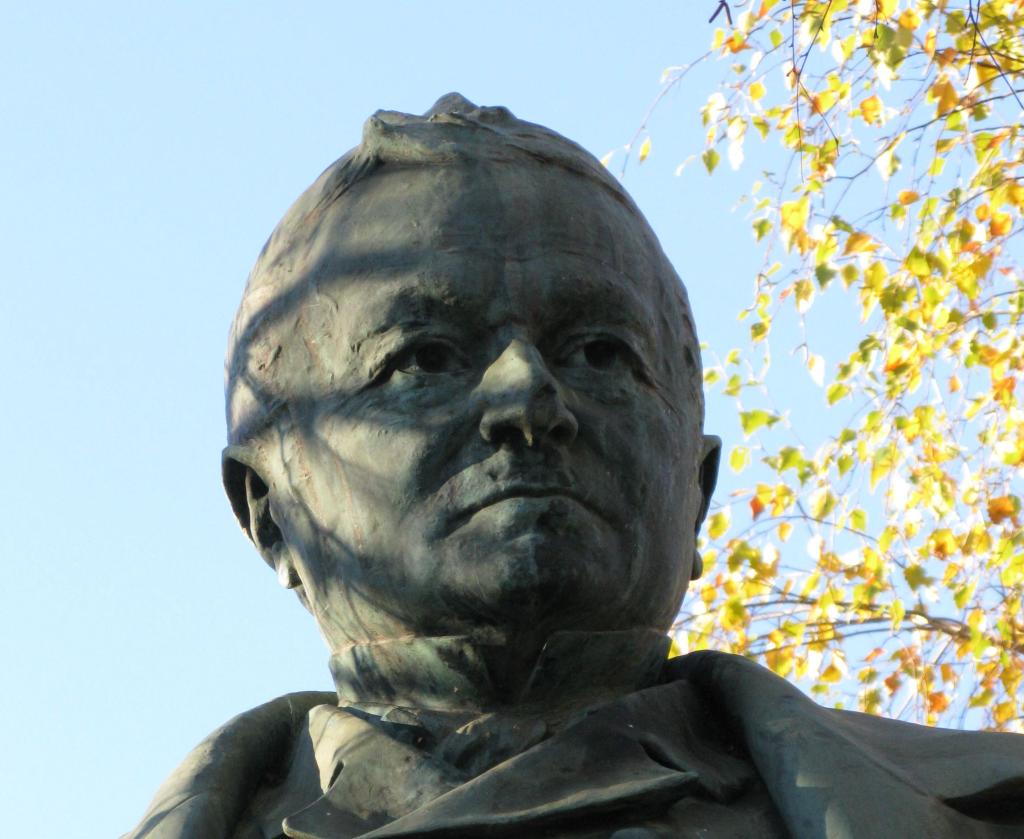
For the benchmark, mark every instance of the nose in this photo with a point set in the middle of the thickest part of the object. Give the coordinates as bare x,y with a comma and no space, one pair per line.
521,400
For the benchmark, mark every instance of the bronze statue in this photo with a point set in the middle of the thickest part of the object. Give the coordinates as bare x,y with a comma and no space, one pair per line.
466,428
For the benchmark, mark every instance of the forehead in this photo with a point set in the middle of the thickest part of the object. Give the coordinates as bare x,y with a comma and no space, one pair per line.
520,224
399,215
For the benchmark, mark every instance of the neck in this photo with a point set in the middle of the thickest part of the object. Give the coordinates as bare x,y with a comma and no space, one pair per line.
481,674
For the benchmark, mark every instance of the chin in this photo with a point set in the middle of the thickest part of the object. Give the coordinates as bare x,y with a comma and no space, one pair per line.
530,581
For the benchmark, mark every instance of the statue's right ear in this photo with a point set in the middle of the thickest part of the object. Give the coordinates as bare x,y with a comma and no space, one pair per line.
250,499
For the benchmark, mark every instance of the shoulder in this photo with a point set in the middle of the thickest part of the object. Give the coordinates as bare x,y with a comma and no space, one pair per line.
209,791
979,775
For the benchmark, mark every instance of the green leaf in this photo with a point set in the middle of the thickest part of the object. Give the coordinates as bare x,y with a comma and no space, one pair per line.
753,420
917,263
898,613
790,458
859,520
963,594
824,275
822,504
710,158
882,463
775,36
955,22
916,577
835,392
739,458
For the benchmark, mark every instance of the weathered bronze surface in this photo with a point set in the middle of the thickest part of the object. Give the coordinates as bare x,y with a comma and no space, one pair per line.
466,428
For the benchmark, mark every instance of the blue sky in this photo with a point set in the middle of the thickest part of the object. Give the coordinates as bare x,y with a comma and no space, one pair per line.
148,151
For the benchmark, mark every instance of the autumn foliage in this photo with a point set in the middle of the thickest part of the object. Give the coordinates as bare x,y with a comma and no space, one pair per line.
881,563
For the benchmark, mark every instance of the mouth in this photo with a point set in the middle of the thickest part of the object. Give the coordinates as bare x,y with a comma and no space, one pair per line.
525,491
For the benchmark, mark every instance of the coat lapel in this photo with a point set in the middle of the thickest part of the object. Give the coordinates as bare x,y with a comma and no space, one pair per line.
637,755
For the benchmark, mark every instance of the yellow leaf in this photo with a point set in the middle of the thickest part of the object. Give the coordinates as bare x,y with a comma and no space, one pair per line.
886,7
871,110
946,57
734,614
980,267
785,529
737,43
986,72
816,367
1000,223
910,19
907,196
607,159
858,242
822,102
1004,712
937,702
757,91
830,674
795,214
718,524
645,149
929,43
943,543
945,96
1001,508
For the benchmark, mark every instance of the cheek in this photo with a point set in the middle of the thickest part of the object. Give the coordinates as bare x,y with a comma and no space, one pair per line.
639,444
334,470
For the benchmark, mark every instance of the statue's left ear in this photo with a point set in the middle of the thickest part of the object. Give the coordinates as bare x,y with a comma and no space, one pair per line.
250,499
708,475
707,478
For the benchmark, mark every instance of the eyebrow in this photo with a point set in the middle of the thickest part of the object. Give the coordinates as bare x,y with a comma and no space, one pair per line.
409,306
417,299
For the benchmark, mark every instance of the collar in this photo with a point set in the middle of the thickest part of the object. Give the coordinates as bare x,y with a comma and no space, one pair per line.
451,673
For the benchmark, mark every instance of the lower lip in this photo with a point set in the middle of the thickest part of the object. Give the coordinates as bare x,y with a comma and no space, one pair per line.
527,502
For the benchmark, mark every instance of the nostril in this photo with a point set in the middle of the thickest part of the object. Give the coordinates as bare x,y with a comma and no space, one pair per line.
563,430
561,435
503,435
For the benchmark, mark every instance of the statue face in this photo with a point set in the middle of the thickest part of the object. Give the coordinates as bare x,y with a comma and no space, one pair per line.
493,430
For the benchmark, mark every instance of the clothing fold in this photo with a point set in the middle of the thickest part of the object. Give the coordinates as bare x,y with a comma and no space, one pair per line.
721,747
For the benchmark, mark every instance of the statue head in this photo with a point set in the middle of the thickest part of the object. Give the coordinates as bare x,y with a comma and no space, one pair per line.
464,391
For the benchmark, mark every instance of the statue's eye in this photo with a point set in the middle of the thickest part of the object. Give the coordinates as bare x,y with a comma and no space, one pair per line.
432,357
603,354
